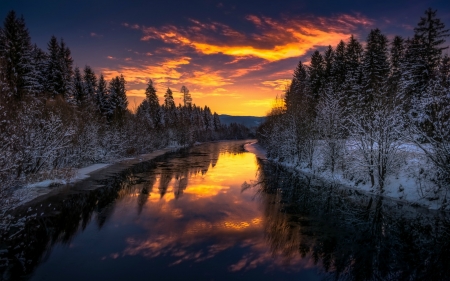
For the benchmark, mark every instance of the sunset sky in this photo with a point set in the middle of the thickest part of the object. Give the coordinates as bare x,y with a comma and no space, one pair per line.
234,56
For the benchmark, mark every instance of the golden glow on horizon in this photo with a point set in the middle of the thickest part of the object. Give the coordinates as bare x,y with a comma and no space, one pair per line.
242,83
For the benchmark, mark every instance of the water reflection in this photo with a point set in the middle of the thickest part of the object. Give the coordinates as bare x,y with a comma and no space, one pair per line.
352,236
214,212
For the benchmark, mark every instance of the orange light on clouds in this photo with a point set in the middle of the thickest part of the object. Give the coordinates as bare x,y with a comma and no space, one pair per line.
242,83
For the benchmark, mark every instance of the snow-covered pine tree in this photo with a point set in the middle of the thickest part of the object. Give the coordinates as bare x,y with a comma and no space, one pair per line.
187,98
153,105
39,60
79,94
90,83
375,69
431,34
328,58
396,58
316,71
117,98
216,122
338,69
101,96
17,67
297,92
169,102
66,65
422,57
53,71
352,81
207,118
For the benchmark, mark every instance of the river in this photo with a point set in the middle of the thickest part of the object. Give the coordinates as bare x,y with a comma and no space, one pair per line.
216,212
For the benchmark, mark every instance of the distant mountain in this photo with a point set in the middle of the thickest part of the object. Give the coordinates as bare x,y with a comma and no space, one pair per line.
248,121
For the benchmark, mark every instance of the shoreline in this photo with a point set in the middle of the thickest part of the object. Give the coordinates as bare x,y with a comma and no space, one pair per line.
260,153
43,189
87,178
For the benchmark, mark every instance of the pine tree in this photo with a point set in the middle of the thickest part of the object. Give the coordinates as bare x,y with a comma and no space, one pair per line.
153,104
66,66
53,72
216,122
169,102
431,34
353,75
79,93
328,63
422,57
17,65
207,118
397,57
101,96
117,98
338,68
39,59
89,82
187,99
375,68
316,71
297,93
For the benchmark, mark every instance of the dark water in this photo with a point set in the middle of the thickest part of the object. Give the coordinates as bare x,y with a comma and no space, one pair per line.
216,213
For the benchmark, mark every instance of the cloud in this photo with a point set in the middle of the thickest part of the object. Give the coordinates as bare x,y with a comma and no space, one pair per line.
161,72
272,40
95,35
231,69
208,77
279,84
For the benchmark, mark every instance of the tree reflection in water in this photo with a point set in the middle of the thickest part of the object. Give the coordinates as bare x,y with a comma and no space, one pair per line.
301,223
350,235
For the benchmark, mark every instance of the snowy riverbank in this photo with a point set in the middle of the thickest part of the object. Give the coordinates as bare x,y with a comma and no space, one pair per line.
413,183
34,190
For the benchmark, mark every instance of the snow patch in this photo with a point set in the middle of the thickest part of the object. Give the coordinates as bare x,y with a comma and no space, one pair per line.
83,173
256,149
413,183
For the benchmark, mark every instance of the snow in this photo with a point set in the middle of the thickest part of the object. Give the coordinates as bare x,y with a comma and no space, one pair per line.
83,173
413,183
256,149
36,189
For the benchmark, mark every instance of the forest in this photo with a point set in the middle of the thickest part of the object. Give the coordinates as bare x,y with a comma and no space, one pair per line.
55,117
370,114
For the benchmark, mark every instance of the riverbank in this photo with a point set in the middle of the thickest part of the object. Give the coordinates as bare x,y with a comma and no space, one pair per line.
410,185
96,171
86,177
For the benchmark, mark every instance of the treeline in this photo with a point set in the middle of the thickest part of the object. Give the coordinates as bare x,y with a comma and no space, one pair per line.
54,116
354,107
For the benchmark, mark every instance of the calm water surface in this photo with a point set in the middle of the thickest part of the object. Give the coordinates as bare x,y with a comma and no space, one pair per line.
187,218
215,212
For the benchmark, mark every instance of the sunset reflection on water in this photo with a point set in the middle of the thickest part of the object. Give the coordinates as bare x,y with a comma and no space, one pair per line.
203,206
191,215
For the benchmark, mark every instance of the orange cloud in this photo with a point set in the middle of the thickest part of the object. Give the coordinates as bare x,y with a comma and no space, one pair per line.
208,78
273,41
231,71
160,73
279,84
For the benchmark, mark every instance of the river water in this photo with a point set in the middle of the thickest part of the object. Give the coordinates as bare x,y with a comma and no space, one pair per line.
215,212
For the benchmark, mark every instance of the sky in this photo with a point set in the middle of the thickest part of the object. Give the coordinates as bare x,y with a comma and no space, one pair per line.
234,56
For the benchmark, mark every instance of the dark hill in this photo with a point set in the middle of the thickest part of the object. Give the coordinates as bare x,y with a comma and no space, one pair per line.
248,121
